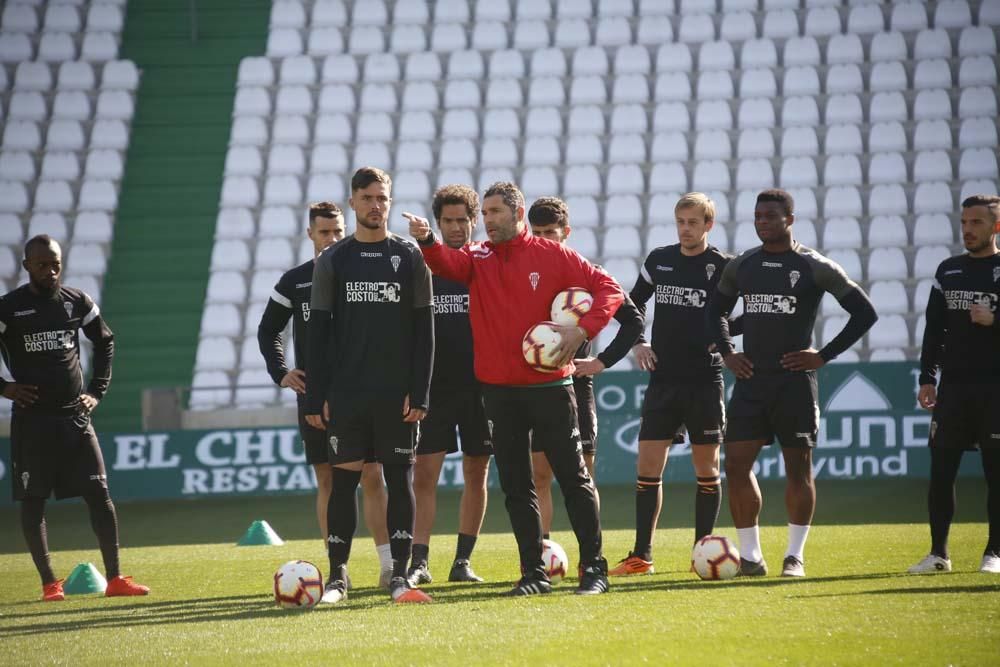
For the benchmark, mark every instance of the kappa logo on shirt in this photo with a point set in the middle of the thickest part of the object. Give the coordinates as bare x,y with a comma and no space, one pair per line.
660,267
953,272
772,265
22,313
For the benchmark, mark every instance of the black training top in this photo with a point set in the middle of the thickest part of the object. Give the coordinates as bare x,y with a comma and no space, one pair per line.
682,286
40,342
289,300
453,365
963,350
781,296
370,326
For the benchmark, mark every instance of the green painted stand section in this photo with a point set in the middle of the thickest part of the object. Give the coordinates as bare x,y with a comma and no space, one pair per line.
258,534
84,579
154,290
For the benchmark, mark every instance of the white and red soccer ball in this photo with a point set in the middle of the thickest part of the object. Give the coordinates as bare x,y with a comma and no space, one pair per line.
555,561
298,584
715,557
540,342
570,305
539,346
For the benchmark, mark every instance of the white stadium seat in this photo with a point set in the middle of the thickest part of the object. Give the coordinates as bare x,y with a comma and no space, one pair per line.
927,259
909,16
887,107
230,255
932,44
53,224
932,165
887,231
215,353
933,229
977,101
932,135
932,198
801,141
978,163
888,46
842,201
952,14
887,264
889,331
889,297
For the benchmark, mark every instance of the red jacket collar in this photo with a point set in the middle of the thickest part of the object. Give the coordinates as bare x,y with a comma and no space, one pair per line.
521,239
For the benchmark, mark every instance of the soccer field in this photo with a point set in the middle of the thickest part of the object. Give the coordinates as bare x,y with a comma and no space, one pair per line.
211,600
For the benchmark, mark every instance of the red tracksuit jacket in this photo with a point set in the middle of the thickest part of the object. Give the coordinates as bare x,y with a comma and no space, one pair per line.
511,288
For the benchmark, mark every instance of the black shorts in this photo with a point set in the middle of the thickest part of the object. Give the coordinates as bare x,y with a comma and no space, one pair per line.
55,454
586,418
454,408
313,440
545,416
966,416
668,407
766,406
371,429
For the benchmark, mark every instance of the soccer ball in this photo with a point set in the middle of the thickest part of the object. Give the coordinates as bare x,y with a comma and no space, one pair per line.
555,561
298,584
570,305
539,345
715,557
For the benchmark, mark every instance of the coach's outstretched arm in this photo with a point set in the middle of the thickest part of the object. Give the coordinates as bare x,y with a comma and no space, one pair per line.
423,335
96,329
318,360
442,259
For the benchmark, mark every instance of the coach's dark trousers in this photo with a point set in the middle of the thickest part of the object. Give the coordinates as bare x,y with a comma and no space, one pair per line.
547,416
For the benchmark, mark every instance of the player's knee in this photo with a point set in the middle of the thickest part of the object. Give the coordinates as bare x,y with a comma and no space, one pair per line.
475,469
371,478
737,469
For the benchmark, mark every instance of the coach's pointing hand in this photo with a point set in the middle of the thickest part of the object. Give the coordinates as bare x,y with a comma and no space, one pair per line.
23,395
420,229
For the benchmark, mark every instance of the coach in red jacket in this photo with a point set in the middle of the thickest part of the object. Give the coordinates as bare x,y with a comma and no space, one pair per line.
512,281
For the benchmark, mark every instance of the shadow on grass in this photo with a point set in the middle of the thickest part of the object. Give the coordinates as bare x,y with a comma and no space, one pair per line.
923,590
214,520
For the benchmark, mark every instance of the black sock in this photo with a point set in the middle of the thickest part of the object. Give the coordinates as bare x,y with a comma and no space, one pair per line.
466,543
647,496
399,514
941,496
707,501
991,470
421,553
104,521
33,526
341,517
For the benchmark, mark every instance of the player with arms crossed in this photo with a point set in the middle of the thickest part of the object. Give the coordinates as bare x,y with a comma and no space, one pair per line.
458,403
53,445
290,300
962,341
782,283
549,219
512,281
370,352
685,381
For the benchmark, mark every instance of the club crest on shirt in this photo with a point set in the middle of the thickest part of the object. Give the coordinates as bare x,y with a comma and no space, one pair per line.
709,270
933,429
533,277
395,262
24,479
793,277
68,307
333,443
996,273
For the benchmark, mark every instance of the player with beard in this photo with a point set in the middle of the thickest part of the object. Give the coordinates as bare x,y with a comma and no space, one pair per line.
512,281
549,219
290,301
781,283
458,403
53,445
370,354
962,342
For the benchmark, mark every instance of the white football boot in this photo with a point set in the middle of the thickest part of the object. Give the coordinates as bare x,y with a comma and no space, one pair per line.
991,564
931,564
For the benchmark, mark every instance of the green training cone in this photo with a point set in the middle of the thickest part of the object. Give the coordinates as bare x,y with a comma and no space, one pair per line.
259,532
84,579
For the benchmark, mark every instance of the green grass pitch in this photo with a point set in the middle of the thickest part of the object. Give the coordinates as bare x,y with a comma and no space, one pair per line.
211,601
